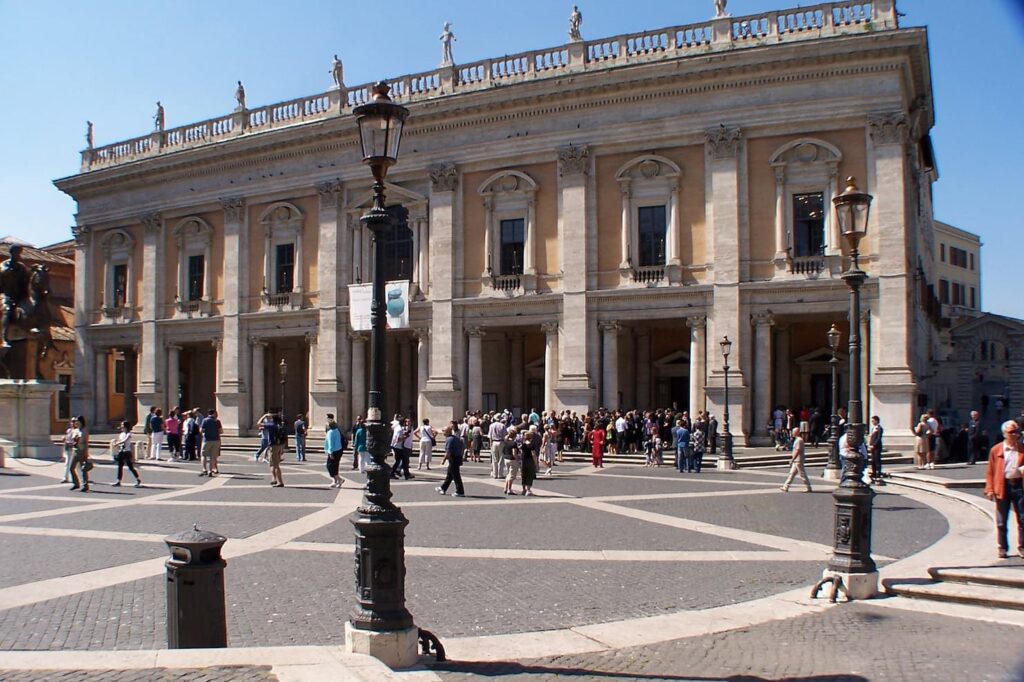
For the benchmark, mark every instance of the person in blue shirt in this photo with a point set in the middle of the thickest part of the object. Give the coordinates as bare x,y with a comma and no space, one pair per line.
334,447
454,449
299,428
211,444
681,440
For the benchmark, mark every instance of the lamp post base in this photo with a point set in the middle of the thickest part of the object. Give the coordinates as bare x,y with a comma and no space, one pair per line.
725,464
858,585
394,648
832,474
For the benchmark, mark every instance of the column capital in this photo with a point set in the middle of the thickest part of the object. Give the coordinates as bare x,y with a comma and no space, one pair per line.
169,346
723,142
888,127
780,175
232,207
475,331
328,189
421,333
80,233
609,326
217,343
697,322
152,222
865,315
444,177
358,336
766,319
549,327
573,160
257,341
309,338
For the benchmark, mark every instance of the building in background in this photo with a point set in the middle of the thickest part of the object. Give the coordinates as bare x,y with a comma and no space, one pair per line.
578,226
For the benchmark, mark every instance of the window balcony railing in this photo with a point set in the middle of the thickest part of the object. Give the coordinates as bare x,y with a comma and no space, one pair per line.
507,283
813,264
649,274
291,300
195,308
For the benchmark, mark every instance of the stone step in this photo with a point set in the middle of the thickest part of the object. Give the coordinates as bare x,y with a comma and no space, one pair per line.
960,593
998,576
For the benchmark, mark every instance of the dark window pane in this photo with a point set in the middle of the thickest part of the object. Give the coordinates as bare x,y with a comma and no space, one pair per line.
513,238
285,268
808,224
652,229
120,285
118,377
196,275
943,291
64,397
398,253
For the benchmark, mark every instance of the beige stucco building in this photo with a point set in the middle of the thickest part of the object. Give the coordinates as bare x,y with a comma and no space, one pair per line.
580,226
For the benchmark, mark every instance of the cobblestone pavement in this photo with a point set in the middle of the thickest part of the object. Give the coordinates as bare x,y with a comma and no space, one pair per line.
84,571
212,674
849,643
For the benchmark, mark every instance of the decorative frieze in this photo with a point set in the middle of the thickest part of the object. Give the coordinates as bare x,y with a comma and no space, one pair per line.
444,178
724,142
888,128
573,160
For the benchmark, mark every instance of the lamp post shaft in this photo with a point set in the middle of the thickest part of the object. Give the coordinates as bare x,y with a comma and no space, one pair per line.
833,422
727,432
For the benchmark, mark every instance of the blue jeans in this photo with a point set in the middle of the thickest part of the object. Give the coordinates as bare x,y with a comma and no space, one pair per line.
1014,499
683,459
300,448
264,444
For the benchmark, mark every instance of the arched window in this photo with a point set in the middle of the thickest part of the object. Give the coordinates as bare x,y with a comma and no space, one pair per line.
118,247
282,256
649,186
193,237
509,199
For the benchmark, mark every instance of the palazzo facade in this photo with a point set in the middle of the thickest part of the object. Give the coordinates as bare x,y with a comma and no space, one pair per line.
580,227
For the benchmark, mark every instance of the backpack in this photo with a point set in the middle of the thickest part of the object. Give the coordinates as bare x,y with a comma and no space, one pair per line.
281,437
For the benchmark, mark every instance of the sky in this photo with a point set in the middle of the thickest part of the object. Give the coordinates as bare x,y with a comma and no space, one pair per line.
109,61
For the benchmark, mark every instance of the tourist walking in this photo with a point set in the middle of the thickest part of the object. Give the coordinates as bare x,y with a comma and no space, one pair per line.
920,431
124,456
266,423
408,440
334,448
697,441
875,445
359,446
597,438
796,464
210,428
425,434
69,450
80,462
299,428
529,451
172,426
973,437
496,433
1003,485
454,449
279,441
157,434
191,430
513,456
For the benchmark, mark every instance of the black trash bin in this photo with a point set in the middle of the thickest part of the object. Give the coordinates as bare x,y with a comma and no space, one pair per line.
196,615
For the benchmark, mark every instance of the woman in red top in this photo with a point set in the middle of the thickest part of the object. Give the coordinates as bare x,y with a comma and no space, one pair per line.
597,447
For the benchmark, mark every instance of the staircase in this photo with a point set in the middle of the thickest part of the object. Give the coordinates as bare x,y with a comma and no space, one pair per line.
992,586
746,458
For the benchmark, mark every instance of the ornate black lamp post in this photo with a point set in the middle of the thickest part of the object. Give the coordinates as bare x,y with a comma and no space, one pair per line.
833,467
380,625
851,564
283,370
727,461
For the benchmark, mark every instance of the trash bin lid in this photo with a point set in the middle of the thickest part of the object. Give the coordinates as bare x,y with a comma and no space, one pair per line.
195,540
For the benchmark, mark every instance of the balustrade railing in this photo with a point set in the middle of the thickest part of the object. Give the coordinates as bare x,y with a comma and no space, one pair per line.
807,265
649,274
506,282
820,20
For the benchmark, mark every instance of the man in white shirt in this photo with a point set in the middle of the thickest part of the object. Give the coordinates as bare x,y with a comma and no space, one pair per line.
1004,485
796,464
620,433
496,433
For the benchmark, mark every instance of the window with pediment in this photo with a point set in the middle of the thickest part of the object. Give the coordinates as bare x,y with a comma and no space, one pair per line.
806,180
650,222
406,245
509,199
193,238
118,250
282,255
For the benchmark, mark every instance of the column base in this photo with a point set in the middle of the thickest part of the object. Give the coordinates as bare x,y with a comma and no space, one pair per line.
231,409
832,474
574,393
725,464
859,586
394,648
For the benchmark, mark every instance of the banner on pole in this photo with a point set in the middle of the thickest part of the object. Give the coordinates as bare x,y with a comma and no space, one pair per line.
396,300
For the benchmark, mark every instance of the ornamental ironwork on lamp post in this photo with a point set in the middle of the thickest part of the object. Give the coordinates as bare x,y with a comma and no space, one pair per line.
380,625
728,461
851,567
833,467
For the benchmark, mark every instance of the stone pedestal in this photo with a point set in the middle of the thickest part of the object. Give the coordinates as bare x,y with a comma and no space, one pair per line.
25,418
394,648
858,585
832,474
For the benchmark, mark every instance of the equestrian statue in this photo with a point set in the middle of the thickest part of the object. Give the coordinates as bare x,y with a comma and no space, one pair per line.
26,314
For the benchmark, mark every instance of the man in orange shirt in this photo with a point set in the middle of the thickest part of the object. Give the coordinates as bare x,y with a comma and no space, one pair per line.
1004,485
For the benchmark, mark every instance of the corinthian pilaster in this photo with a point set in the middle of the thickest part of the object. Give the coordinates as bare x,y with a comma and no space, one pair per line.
888,128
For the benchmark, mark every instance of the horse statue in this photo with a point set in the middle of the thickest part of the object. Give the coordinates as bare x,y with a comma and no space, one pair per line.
27,318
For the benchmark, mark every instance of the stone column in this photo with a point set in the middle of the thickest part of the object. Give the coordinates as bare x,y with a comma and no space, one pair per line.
642,339
173,375
406,378
780,214
325,384
515,384
102,415
783,360
475,377
311,362
150,361
893,386
698,363
609,364
627,226
359,396
762,377
357,250
82,390
550,330
422,366
724,159
441,395
866,346
574,389
233,364
259,378
422,256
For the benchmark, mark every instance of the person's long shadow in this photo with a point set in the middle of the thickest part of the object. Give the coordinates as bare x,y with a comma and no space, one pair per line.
512,668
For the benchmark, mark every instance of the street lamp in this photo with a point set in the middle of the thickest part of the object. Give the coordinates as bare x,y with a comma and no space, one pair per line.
832,469
283,369
851,564
380,625
727,461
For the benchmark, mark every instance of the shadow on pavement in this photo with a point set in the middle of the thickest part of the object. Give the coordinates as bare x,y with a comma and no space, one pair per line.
509,668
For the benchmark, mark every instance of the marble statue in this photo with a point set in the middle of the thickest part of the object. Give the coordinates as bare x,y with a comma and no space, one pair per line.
158,117
88,134
575,19
720,8
446,45
337,73
240,96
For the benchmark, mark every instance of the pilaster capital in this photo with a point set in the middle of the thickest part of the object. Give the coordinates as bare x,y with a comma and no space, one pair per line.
609,326
217,343
865,316
170,346
444,178
475,332
780,175
573,160
889,128
724,143
421,333
697,322
255,341
328,190
765,319
232,207
549,327
358,337
309,338
152,222
80,233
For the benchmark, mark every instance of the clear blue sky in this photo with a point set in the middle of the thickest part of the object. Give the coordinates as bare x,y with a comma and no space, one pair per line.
109,61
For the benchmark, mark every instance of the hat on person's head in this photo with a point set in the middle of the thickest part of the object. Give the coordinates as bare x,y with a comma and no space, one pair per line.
330,415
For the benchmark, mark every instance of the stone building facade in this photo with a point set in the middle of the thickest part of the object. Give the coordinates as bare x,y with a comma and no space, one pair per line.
580,227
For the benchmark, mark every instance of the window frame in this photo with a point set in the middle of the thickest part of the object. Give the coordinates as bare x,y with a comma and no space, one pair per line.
793,225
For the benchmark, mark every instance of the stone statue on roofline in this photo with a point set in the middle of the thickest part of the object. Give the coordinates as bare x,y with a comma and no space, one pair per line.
88,134
575,19
158,118
338,73
720,9
446,44
240,96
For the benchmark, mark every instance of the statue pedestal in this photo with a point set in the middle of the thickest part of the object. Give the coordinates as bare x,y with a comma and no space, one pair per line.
25,418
